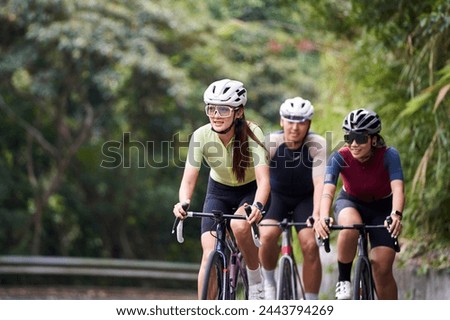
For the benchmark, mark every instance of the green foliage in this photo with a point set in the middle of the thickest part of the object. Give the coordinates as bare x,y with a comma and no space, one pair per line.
399,61
79,77
76,76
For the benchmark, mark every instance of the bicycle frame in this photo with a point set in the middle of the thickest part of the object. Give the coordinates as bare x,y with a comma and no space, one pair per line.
225,250
288,285
364,285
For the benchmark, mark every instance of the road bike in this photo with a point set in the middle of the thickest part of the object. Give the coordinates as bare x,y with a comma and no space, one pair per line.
289,284
225,274
363,283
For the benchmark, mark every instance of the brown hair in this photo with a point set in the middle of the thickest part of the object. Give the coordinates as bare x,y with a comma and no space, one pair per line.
241,151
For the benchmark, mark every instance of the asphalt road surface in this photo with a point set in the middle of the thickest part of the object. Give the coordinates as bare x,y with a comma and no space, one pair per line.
93,293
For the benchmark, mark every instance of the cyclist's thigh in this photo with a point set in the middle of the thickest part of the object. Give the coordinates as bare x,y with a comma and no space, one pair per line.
212,203
348,215
245,195
270,232
303,210
380,237
208,242
307,238
375,214
278,209
346,211
382,258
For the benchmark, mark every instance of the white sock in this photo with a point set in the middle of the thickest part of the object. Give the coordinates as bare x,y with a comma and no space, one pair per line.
311,296
254,276
269,277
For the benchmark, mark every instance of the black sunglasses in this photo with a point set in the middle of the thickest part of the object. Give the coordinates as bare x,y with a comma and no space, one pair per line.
359,138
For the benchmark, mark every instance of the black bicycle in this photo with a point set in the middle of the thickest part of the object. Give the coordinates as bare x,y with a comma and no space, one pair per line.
225,274
289,285
363,285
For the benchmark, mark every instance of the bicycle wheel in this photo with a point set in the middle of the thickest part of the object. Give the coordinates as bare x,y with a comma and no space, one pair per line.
238,278
213,278
363,284
298,284
285,286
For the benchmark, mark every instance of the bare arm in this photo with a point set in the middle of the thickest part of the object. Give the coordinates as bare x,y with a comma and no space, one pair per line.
262,192
186,190
326,202
398,203
318,188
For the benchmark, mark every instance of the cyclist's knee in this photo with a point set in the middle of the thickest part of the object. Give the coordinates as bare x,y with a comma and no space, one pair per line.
381,268
348,216
307,239
382,259
309,247
269,238
208,242
239,226
269,234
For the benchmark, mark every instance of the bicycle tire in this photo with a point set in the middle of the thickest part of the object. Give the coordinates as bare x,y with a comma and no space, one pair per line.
213,278
363,288
299,284
285,287
238,279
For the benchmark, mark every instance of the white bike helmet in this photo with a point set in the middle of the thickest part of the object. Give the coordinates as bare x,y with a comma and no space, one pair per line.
362,121
297,110
226,92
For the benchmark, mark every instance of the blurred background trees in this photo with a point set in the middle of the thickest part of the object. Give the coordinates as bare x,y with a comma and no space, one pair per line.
98,99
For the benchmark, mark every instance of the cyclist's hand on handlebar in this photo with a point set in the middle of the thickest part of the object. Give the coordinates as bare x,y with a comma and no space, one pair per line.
394,225
321,227
179,209
255,216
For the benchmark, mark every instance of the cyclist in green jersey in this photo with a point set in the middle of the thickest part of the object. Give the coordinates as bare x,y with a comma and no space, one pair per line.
239,173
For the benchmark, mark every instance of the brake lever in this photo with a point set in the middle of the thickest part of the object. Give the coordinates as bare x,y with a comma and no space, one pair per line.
255,230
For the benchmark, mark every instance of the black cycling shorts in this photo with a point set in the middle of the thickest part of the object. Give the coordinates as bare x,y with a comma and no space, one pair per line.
372,213
226,199
280,206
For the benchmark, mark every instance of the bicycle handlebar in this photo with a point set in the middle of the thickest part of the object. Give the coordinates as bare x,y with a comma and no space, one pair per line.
360,227
178,223
286,223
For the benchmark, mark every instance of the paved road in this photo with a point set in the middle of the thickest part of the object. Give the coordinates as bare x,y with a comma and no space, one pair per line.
93,293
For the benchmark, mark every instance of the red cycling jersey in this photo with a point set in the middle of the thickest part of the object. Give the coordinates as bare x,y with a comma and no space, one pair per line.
367,181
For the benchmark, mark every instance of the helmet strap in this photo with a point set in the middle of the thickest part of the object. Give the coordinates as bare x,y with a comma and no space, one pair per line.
223,131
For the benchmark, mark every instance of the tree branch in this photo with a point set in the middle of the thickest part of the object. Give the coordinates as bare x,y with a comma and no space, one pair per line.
28,128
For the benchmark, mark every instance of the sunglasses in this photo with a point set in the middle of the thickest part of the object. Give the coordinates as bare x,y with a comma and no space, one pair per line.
222,111
359,138
294,118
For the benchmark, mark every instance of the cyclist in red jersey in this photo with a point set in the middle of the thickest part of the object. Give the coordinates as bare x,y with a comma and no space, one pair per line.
372,189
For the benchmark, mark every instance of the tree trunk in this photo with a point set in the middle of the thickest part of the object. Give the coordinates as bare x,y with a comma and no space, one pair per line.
37,219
